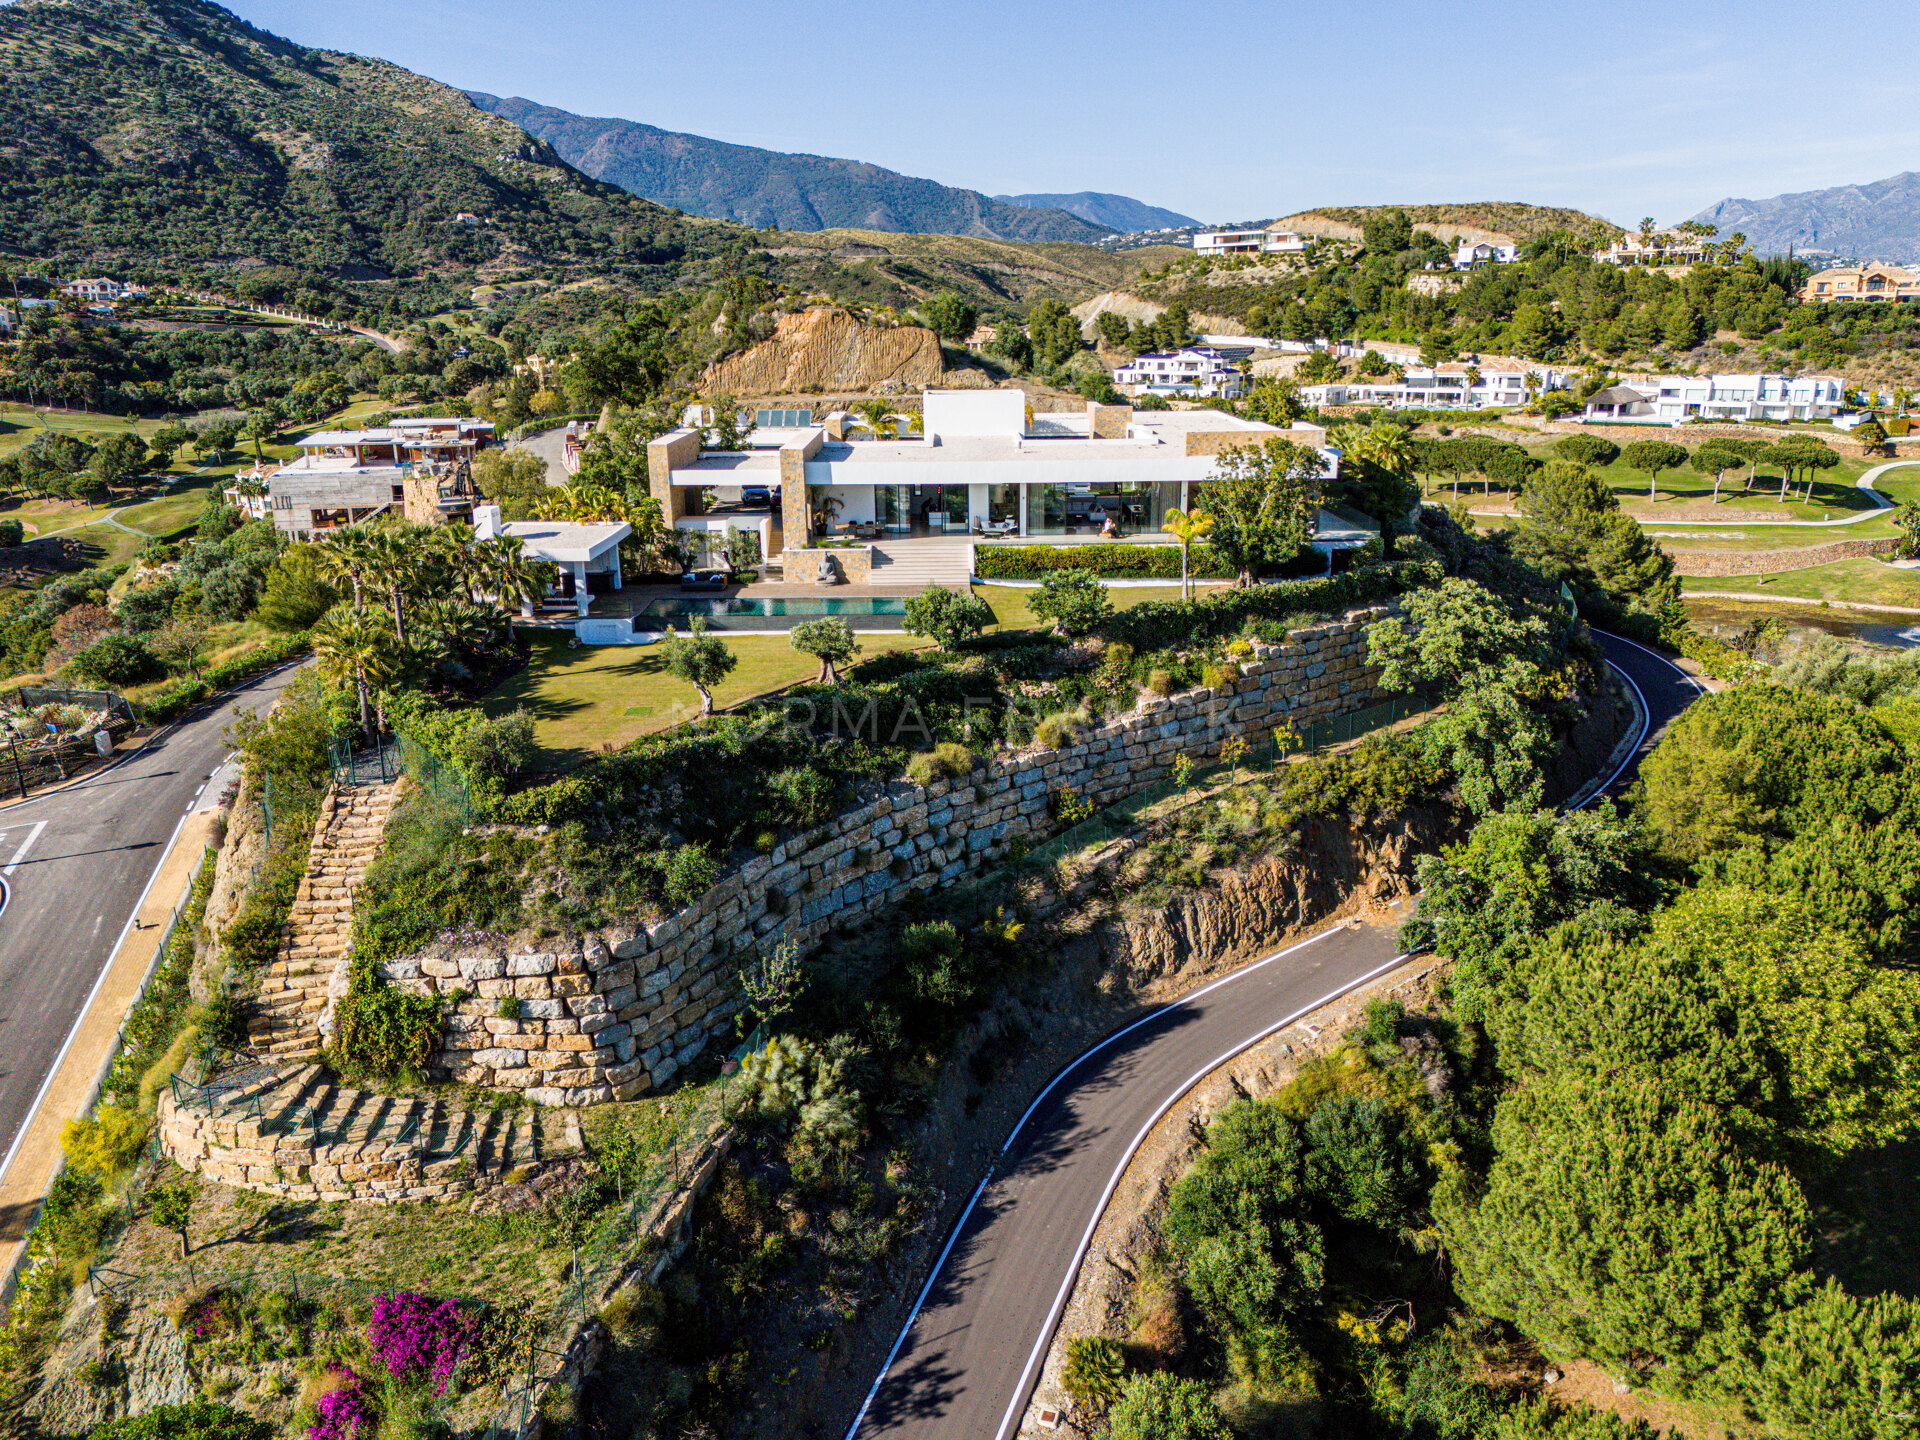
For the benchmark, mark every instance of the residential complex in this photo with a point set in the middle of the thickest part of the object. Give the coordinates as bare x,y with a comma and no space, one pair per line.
1453,386
1861,282
1467,254
1653,399
1672,246
102,291
984,465
1200,370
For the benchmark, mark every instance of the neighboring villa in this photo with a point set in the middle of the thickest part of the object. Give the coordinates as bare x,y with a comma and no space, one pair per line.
1861,282
1469,253
102,291
341,477
984,464
1451,386
1249,242
1199,370
1667,399
1672,246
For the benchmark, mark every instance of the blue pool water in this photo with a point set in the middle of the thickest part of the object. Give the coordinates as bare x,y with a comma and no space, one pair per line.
869,605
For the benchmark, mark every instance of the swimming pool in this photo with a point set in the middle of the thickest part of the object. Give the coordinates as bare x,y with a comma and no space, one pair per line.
853,605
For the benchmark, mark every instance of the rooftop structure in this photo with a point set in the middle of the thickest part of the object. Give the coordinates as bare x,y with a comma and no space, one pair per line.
985,464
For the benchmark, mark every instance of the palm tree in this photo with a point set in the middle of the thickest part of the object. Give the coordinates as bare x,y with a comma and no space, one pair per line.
391,556
508,574
880,418
1186,526
351,644
344,557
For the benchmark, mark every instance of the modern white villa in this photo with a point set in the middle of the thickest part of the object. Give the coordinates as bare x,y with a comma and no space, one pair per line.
1667,398
1199,370
984,465
588,554
1249,242
1467,254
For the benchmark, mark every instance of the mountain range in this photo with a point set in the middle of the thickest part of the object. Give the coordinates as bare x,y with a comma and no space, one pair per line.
1114,212
1876,221
807,192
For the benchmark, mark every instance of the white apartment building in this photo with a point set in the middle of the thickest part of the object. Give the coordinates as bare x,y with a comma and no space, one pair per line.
1442,387
1468,254
1673,398
1249,242
1199,370
983,465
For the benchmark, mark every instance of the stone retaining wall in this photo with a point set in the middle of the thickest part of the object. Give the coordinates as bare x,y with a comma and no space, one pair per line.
802,567
615,1014
1770,562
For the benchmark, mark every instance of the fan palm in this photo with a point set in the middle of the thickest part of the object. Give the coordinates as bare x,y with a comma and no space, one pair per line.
353,645
344,558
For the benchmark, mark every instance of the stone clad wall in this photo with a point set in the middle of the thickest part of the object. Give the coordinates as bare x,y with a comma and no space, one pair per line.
615,1014
1769,562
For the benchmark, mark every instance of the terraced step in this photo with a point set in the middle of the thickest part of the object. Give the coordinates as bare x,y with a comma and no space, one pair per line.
287,1129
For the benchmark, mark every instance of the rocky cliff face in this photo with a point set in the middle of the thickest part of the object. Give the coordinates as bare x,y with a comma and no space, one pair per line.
826,349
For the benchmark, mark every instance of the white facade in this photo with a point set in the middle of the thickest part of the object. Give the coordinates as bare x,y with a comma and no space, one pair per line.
984,466
1441,387
1249,242
1199,370
1735,397
103,291
1469,254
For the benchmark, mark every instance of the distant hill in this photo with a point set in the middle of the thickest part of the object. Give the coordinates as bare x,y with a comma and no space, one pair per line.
1519,223
172,130
1880,221
1115,212
767,187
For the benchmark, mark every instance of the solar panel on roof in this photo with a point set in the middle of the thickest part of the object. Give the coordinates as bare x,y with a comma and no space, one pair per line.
783,419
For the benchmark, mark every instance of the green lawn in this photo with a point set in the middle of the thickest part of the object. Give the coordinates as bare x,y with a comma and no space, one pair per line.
602,696
1013,607
1864,582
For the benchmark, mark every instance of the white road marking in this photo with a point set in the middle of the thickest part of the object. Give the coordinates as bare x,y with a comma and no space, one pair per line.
25,845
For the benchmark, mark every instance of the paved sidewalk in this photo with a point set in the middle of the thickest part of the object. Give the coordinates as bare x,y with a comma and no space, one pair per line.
69,1090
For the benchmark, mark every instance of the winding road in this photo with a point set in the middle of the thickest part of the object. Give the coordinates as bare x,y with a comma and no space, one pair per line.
970,1353
74,865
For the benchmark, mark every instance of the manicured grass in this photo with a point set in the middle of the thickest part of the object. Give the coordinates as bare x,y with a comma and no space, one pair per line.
1765,537
1865,582
602,696
1013,606
20,423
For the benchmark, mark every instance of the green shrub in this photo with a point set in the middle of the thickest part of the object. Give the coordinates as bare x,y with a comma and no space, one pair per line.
1217,677
689,874
200,1420
947,616
805,796
1075,600
1095,1372
116,659
383,1030
946,761
1161,683
509,1007
12,532
105,1144
1159,624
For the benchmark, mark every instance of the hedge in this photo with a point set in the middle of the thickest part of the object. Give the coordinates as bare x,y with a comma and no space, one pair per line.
1155,562
182,695
1161,623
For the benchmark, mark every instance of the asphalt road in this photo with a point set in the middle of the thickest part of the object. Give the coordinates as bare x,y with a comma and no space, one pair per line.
74,864
969,1357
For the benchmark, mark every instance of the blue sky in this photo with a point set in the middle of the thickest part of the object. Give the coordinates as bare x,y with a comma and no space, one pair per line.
1224,112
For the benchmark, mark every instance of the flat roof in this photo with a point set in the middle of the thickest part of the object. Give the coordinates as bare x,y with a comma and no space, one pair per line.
567,541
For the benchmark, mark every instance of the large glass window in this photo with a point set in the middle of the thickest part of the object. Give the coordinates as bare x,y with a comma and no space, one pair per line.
1003,503
1135,509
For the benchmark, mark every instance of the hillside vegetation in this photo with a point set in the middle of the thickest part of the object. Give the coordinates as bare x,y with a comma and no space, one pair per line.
143,129
1507,217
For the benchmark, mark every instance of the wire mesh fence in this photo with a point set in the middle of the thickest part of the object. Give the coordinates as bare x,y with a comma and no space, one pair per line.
443,782
375,764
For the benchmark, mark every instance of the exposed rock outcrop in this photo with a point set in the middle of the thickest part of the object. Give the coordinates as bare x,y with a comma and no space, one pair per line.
824,348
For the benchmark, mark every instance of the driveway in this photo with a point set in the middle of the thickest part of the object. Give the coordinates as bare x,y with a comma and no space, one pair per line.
970,1352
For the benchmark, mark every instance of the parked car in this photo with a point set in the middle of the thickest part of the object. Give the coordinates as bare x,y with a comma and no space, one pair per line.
704,580
756,497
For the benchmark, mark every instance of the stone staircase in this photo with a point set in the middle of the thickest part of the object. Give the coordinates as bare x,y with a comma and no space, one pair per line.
923,562
287,1129
293,992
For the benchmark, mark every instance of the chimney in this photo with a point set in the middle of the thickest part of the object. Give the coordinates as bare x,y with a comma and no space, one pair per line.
486,522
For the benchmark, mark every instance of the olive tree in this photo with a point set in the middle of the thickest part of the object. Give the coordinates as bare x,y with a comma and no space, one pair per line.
829,641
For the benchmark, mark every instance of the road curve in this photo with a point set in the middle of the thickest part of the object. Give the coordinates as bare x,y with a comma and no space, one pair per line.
970,1353
74,863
